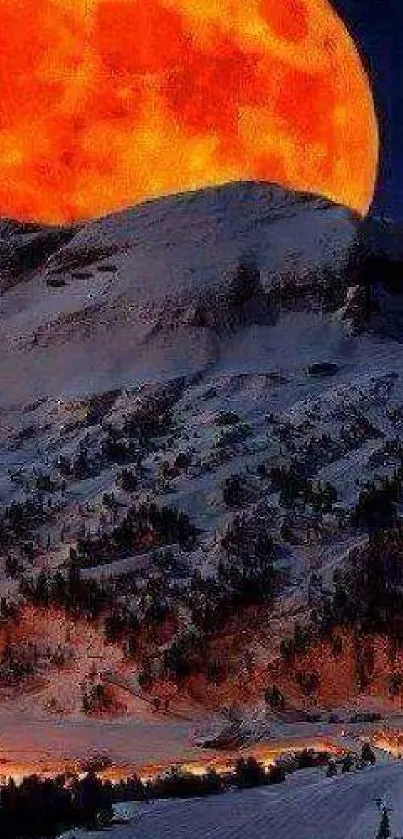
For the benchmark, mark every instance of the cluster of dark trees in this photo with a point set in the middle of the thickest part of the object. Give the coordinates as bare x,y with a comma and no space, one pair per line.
246,576
348,761
377,505
235,491
120,624
376,508
186,655
274,698
9,612
79,467
298,644
150,418
308,682
294,484
227,418
20,660
45,484
43,808
247,566
186,785
248,772
127,480
118,449
79,597
369,595
143,527
229,436
19,520
14,665
96,699
313,453
153,416
209,603
251,773
121,447
92,600
114,449
367,599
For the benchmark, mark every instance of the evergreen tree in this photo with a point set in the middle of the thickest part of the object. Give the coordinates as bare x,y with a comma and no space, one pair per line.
331,768
367,754
384,827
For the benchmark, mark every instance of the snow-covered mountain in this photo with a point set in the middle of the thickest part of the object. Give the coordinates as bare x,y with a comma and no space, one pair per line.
202,353
145,294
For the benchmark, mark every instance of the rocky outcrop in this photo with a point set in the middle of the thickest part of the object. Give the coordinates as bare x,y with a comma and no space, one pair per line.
24,248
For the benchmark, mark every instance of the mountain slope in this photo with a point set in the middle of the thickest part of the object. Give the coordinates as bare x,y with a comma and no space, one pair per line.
201,399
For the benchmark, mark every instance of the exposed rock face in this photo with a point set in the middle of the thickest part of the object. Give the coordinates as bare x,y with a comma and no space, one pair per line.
24,248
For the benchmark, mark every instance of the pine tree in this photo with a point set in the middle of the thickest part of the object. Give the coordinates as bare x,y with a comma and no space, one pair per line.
384,827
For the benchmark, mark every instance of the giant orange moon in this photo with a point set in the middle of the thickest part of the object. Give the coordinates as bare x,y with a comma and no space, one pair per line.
105,103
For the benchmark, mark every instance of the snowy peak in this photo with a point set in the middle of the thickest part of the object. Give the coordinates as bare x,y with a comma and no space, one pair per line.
206,231
149,291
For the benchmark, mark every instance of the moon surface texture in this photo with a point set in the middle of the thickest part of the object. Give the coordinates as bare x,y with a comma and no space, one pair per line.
106,103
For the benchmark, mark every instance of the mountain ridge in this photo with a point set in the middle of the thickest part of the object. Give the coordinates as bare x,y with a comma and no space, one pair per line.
171,265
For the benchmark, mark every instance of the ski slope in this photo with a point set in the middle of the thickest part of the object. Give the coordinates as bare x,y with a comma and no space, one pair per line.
307,806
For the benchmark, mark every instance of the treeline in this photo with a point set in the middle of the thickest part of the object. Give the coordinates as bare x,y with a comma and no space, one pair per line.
43,808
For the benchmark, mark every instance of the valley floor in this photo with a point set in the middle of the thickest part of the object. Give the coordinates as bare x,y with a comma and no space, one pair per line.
31,743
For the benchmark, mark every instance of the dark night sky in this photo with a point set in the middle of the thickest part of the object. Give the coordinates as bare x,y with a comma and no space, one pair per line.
377,28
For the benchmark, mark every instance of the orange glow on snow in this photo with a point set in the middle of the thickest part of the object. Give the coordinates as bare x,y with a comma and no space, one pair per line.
389,740
221,762
104,103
